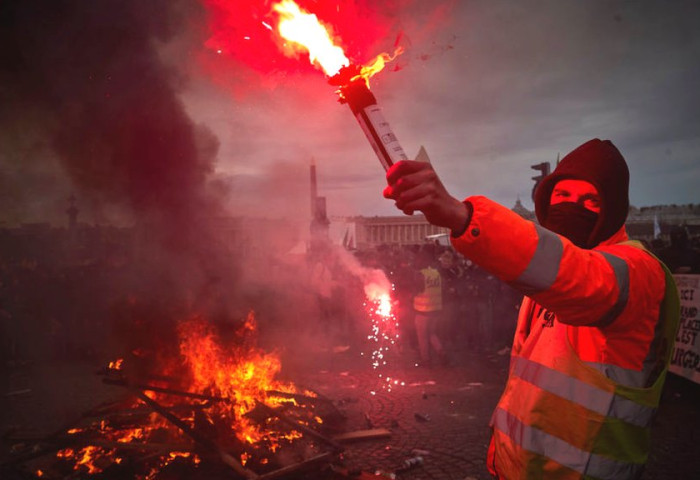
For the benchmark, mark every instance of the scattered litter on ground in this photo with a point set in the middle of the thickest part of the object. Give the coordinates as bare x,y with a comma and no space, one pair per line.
421,417
18,392
419,452
410,463
418,384
358,435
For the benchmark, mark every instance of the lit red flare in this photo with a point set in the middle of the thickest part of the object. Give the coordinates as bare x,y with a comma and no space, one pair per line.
306,33
304,30
256,34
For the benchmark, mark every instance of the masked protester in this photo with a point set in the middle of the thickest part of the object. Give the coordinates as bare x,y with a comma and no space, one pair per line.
595,328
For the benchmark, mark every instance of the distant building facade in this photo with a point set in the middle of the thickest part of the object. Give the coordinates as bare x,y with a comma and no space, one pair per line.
644,223
647,223
370,232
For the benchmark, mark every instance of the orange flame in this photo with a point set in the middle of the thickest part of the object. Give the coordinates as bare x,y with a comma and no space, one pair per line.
240,372
377,65
83,458
244,375
116,364
305,31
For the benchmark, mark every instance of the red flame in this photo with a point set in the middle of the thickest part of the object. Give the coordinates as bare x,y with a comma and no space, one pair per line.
246,30
304,30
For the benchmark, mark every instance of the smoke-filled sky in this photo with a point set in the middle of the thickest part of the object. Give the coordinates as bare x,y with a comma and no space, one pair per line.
126,105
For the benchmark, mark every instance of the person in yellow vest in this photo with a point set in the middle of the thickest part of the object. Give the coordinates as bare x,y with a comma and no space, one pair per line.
427,305
596,326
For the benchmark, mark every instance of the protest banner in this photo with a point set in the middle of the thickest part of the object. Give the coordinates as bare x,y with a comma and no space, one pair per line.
685,359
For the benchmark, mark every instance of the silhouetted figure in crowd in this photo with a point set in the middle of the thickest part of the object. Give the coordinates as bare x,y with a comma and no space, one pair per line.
322,283
427,306
485,289
451,273
407,283
681,257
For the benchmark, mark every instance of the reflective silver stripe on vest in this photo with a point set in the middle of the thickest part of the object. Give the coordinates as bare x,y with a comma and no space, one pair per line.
622,275
625,376
541,443
542,270
593,398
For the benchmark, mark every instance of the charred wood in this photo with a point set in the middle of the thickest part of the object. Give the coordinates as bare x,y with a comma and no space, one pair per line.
201,440
169,391
302,428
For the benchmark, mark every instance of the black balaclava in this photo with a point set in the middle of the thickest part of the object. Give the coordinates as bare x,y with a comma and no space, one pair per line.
572,220
600,163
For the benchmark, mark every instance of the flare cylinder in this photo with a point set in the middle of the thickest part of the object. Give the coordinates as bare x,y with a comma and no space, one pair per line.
356,93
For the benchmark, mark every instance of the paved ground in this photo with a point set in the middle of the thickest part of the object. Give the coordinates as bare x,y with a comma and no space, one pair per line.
443,411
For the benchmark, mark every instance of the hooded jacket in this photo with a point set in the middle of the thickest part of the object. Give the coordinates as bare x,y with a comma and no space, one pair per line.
600,163
594,332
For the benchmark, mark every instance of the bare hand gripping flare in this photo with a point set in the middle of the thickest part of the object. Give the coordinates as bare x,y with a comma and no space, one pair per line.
305,30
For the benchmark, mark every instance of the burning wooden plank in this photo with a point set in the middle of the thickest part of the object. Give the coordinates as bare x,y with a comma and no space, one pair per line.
170,391
205,442
357,435
302,428
281,472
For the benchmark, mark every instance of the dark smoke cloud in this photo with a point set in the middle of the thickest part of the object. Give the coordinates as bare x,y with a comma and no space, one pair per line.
84,82
90,104
91,107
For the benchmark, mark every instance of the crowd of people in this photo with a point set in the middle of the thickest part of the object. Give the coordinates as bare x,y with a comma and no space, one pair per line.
83,311
48,311
681,254
473,310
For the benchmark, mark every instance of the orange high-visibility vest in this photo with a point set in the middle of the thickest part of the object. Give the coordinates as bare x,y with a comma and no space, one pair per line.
561,418
430,299
590,353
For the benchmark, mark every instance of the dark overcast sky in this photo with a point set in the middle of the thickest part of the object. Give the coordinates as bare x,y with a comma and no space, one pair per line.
500,86
496,87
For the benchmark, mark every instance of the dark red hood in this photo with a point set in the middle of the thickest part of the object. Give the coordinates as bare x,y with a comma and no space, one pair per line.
600,163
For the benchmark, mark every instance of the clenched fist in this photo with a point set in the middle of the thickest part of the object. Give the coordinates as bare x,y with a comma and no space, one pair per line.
415,186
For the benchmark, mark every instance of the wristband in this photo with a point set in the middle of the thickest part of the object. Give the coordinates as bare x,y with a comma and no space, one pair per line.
470,211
